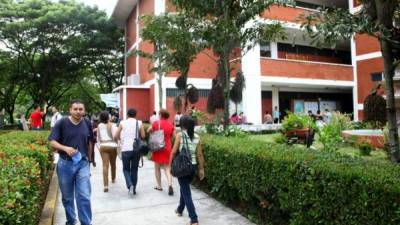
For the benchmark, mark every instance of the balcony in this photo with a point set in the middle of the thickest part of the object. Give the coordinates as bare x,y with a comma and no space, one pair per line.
304,69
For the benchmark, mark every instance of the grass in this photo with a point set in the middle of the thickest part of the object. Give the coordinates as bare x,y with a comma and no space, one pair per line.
346,149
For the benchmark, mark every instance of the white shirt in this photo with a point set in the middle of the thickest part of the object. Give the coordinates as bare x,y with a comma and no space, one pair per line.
54,118
103,135
128,133
153,119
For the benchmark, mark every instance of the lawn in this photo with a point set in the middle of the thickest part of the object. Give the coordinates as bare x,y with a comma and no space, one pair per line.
344,148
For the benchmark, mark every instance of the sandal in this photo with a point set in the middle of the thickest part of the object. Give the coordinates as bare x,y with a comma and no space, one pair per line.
158,188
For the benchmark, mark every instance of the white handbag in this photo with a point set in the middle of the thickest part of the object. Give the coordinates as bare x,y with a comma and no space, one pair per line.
156,140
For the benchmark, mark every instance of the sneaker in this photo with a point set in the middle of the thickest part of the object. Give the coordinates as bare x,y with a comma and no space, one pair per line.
170,191
130,191
178,213
105,189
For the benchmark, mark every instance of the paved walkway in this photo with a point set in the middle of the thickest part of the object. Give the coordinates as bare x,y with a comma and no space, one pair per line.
148,207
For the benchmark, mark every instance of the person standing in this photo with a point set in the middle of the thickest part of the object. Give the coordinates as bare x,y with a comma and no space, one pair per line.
127,131
56,116
161,158
36,118
153,118
192,140
276,114
177,118
73,138
108,147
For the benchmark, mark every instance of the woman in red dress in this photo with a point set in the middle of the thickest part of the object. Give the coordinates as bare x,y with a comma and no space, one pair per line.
161,158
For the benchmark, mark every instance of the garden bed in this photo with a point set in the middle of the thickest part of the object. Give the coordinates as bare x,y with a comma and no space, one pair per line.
25,168
277,184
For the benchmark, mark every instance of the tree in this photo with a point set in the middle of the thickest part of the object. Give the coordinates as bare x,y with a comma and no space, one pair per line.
377,18
176,45
227,25
11,84
61,43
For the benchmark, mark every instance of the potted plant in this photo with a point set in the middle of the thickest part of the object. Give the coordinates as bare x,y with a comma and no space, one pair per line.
298,127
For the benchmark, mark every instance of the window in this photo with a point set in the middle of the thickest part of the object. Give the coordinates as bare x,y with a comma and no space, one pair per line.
377,76
265,49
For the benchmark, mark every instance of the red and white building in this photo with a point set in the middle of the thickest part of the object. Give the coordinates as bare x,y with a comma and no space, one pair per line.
289,74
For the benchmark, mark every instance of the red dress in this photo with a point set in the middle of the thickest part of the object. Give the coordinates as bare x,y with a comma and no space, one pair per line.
162,156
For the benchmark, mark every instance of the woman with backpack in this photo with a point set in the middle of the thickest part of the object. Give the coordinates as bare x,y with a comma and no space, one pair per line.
107,147
188,139
128,130
161,157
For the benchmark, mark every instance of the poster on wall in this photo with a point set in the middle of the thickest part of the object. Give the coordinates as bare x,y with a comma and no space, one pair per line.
330,105
298,106
313,106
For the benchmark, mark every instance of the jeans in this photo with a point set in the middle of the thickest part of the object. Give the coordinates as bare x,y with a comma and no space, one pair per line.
130,164
108,156
74,181
186,197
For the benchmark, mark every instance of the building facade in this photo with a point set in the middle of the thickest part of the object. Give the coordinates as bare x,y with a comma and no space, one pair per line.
289,74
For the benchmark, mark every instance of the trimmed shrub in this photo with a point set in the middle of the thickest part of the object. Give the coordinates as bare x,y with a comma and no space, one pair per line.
24,164
275,184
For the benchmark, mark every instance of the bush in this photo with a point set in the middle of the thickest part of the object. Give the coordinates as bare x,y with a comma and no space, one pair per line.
331,134
275,184
375,110
24,164
365,148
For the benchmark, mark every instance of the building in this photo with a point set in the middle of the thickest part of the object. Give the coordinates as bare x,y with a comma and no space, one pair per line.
295,77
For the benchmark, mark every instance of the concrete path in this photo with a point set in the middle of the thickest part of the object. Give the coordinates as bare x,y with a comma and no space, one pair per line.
148,207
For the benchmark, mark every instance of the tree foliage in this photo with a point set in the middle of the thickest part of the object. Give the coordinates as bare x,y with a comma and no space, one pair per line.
376,18
56,45
226,25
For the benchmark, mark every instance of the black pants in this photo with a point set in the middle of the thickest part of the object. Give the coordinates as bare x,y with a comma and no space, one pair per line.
130,164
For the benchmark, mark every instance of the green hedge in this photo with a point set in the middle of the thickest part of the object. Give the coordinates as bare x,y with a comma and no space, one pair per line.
277,184
24,164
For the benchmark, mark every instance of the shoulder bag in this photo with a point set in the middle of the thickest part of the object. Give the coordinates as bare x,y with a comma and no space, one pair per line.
182,162
156,140
139,145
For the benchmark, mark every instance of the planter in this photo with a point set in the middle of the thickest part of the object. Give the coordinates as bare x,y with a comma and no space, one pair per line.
300,136
375,137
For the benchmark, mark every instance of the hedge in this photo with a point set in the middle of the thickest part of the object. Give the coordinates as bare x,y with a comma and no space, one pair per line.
277,184
25,162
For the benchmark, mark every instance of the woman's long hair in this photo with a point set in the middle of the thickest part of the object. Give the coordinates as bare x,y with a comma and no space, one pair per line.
187,123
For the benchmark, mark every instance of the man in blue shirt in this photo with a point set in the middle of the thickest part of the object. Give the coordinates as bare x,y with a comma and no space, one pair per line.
73,138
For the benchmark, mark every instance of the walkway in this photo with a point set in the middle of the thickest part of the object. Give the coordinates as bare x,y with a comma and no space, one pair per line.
148,207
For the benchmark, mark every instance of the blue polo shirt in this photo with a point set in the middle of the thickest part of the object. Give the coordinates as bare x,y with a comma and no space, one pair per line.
71,135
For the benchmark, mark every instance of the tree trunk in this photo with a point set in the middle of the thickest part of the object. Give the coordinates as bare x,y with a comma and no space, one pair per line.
10,113
160,90
227,82
390,100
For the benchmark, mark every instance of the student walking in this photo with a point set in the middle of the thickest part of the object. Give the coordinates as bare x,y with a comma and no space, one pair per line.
73,138
161,157
192,140
127,131
107,147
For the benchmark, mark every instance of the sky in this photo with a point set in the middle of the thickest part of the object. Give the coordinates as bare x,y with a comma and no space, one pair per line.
107,5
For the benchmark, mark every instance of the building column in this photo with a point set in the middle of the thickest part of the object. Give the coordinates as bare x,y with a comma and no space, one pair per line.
274,50
275,98
251,68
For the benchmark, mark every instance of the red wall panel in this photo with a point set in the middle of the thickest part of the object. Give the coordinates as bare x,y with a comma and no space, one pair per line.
295,69
364,70
284,13
139,99
366,44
